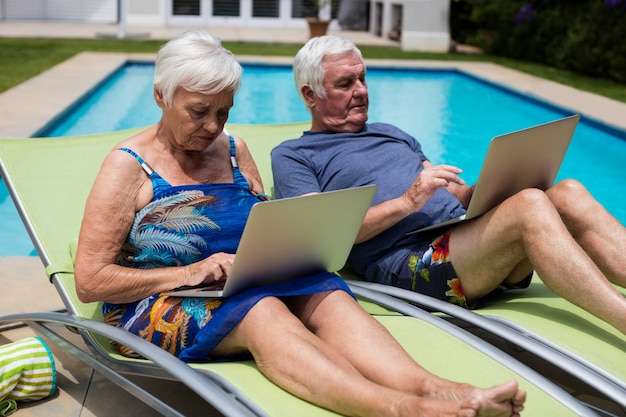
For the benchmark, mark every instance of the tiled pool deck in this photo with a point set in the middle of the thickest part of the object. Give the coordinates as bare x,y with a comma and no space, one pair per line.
29,106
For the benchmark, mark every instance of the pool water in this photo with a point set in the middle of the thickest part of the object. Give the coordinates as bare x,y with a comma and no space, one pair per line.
452,114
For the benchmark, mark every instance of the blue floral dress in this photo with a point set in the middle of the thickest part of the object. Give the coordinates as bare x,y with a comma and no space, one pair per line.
180,226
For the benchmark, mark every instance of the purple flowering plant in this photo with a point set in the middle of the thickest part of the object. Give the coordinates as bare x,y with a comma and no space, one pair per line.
615,4
526,14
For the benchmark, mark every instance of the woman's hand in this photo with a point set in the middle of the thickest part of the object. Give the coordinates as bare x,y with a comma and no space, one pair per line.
213,269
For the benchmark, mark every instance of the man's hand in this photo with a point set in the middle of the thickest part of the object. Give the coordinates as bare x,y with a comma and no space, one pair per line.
386,214
430,180
462,192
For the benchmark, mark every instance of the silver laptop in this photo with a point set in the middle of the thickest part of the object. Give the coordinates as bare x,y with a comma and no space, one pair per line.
528,158
292,237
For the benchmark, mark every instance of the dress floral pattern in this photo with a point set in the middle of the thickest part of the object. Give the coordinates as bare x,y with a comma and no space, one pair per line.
180,226
174,230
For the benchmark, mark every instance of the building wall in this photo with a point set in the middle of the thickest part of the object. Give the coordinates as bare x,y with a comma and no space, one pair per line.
152,12
423,24
146,12
160,12
89,11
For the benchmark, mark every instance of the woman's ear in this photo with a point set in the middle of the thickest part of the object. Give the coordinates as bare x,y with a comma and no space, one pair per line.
158,97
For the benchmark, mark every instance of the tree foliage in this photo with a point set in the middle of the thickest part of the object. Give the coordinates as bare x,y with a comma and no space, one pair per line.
585,36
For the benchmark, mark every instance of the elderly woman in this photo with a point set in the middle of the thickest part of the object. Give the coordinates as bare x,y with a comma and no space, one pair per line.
167,210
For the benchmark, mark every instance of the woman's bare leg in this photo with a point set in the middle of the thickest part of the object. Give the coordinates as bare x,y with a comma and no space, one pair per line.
382,359
303,364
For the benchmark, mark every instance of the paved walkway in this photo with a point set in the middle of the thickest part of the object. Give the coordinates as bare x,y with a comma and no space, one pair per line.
25,108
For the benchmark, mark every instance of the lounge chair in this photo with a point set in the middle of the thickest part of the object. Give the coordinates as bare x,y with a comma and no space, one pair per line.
49,180
534,320
582,353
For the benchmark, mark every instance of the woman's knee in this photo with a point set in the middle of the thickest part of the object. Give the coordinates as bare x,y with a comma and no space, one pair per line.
268,313
314,309
266,308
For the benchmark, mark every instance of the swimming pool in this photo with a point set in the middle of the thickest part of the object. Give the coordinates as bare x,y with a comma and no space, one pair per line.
453,114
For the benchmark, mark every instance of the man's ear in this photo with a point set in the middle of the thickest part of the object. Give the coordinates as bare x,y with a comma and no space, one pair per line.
308,94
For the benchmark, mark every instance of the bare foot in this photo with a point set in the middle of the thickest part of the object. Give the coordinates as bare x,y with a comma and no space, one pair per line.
414,406
459,400
501,400
431,407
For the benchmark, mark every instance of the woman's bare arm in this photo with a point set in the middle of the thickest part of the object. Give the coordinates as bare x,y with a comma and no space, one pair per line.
109,214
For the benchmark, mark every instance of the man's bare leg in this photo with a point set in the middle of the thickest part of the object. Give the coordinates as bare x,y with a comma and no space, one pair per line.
600,234
528,228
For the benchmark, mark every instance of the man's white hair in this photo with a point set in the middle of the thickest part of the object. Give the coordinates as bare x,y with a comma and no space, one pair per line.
308,67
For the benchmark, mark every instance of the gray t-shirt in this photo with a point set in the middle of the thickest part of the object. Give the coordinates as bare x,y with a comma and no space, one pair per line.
379,154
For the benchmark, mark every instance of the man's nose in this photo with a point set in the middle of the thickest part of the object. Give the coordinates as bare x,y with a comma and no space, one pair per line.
360,88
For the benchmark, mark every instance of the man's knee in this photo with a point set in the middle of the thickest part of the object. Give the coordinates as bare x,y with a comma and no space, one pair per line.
568,195
568,187
532,202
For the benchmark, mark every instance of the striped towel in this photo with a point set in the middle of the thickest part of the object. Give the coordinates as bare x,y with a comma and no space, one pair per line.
27,372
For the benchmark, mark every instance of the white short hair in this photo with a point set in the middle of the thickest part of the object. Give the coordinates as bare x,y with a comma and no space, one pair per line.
197,62
308,67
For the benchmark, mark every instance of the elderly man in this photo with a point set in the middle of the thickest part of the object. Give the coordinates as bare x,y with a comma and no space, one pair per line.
564,234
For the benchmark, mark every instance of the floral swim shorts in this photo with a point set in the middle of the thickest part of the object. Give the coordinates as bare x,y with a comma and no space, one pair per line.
423,268
426,268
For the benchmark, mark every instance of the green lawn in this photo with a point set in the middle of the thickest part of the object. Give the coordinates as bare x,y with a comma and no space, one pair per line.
21,59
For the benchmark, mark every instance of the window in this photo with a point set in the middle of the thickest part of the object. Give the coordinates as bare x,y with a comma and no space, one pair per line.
226,8
302,8
186,7
265,8
307,8
334,8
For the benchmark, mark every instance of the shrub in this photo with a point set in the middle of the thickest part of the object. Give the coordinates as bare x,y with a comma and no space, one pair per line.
585,36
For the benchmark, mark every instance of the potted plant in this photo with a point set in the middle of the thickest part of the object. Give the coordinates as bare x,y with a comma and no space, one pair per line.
319,17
